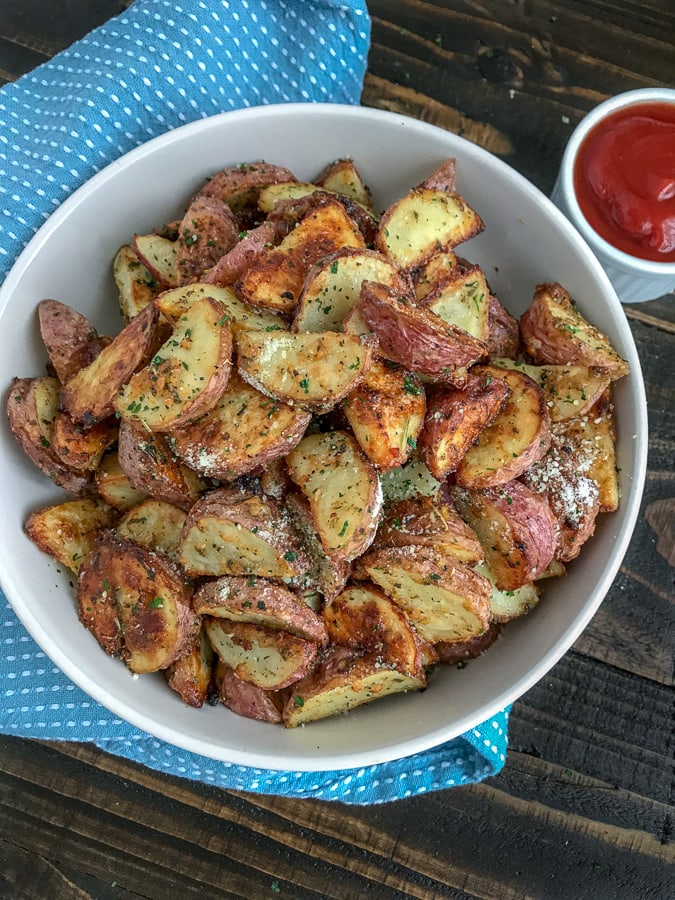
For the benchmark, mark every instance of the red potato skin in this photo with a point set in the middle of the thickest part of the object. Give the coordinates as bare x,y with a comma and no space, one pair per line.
23,421
532,532
455,417
443,179
246,699
80,448
152,468
414,337
128,352
71,340
452,653
503,331
244,181
230,267
207,232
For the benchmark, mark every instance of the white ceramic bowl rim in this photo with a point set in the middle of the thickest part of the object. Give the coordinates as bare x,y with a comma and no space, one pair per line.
618,257
309,756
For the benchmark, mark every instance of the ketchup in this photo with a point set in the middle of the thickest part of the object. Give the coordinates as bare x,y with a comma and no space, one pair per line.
624,180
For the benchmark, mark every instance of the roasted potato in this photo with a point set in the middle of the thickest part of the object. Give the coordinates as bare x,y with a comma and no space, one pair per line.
136,286
409,481
230,267
135,603
155,525
32,406
113,486
414,336
462,299
191,675
343,177
67,531
89,395
343,680
186,376
503,331
207,232
553,331
342,488
78,447
159,255
434,272
422,521
69,338
245,699
455,418
458,652
509,604
275,278
174,304
423,222
312,371
516,528
152,468
386,413
444,599
333,285
518,437
235,532
270,660
364,618
259,602
240,186
244,431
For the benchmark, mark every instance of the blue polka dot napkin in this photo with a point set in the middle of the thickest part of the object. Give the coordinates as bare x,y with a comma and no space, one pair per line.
157,66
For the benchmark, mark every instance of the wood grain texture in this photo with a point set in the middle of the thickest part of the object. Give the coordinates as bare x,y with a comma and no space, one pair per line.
584,806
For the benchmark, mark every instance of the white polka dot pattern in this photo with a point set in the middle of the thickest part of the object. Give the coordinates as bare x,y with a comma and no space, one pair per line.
157,66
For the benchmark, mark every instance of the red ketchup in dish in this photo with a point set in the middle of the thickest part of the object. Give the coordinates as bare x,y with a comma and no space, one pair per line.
624,180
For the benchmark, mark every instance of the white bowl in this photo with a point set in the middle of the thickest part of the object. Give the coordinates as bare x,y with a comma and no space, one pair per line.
526,241
634,279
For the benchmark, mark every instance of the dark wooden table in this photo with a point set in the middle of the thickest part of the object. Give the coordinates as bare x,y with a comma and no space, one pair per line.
583,807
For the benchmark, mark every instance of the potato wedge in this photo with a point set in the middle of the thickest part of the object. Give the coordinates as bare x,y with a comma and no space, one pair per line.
159,255
414,336
230,267
434,272
243,432
89,395
312,371
553,331
207,231
516,528
444,599
424,222
386,413
136,286
326,575
409,481
503,331
155,525
342,488
343,681
233,532
32,405
455,418
151,467
82,448
275,278
245,699
174,304
67,531
425,522
135,603
518,437
364,618
113,486
570,391
240,186
343,177
186,376
459,652
510,604
444,178
333,285
69,337
270,660
571,494
463,299
191,675
259,602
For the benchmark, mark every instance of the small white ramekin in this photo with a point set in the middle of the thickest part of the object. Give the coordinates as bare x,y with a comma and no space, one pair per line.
634,279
